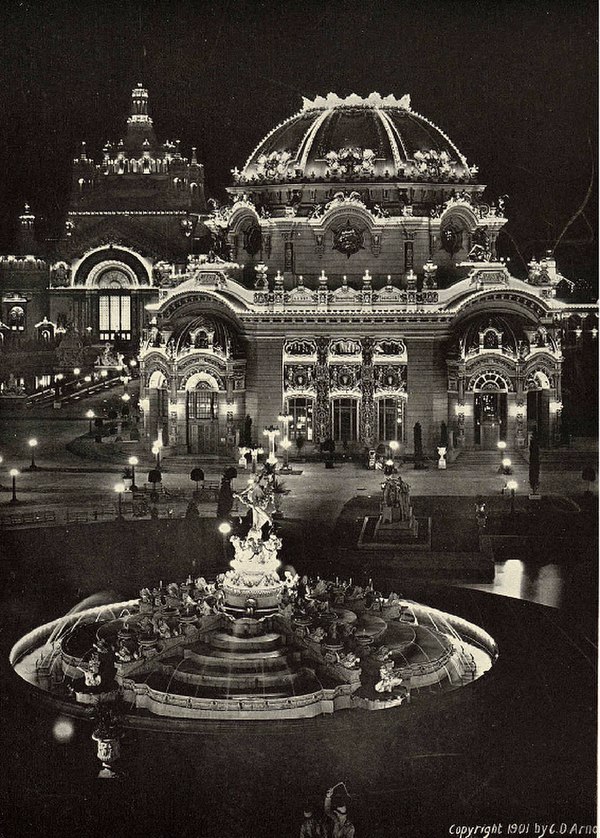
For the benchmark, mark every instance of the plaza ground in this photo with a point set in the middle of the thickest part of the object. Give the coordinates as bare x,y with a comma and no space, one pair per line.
516,746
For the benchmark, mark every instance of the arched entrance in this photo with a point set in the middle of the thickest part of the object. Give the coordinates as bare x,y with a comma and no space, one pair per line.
490,409
158,407
538,388
202,414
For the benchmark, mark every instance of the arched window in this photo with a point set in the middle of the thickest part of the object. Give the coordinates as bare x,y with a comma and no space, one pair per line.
16,318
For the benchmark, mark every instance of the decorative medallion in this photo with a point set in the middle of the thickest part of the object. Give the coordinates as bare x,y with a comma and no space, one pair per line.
350,161
252,240
348,239
273,166
451,239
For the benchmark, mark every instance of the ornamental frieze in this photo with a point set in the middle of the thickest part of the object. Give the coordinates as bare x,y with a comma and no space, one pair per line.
300,377
184,376
344,378
350,161
345,294
273,166
300,347
390,378
389,348
188,361
344,347
499,362
491,381
191,355
301,294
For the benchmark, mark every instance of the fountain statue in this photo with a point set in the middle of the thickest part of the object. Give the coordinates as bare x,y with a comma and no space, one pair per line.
251,643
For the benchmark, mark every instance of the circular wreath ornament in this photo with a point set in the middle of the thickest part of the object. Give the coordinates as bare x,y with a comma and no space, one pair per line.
348,240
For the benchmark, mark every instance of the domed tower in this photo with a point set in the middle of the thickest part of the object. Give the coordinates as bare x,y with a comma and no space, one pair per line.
349,184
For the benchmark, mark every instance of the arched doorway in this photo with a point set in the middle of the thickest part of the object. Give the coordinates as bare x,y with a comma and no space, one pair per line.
158,406
202,414
538,388
490,409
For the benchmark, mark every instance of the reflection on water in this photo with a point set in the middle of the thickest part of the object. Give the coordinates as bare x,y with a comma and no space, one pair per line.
514,578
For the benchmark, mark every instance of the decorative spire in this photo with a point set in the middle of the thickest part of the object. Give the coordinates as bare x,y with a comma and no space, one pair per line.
139,105
27,218
140,130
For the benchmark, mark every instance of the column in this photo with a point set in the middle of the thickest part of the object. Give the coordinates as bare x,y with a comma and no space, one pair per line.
367,412
322,415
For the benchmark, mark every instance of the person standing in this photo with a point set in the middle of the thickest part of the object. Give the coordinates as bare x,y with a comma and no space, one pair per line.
311,826
341,825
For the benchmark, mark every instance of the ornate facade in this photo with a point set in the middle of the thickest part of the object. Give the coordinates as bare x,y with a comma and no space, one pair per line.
351,282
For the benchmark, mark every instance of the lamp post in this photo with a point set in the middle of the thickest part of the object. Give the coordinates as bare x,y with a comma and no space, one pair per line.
13,473
119,489
255,452
224,528
156,449
286,445
58,379
90,415
513,486
506,465
271,432
32,445
501,448
133,461
76,373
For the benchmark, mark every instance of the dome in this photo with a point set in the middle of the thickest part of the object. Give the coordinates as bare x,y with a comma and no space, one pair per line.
356,139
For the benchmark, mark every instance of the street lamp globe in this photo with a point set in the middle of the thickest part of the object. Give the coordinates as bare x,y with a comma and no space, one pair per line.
90,414
502,445
32,442
224,528
14,472
125,397
512,485
506,462
76,371
133,461
103,373
394,445
119,488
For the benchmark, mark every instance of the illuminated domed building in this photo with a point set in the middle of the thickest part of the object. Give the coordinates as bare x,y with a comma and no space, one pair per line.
352,283
361,293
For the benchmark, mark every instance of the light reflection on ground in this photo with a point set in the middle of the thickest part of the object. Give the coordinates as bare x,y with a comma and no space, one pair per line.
542,584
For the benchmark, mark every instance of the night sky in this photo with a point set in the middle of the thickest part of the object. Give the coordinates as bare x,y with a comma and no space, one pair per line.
512,83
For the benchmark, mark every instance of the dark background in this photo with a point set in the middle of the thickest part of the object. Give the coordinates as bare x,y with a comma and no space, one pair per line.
512,83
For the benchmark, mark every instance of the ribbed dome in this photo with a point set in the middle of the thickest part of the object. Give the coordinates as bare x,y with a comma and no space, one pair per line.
356,139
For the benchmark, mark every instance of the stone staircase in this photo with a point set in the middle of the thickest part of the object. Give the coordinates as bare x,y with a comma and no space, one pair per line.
488,461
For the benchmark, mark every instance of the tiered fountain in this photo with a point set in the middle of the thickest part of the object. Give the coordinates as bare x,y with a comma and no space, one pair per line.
252,644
